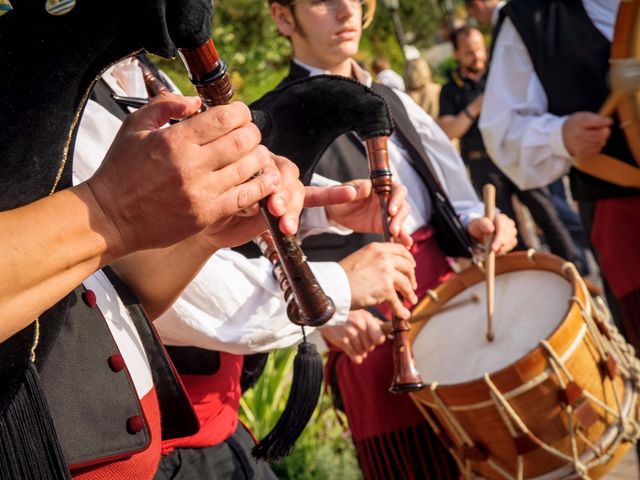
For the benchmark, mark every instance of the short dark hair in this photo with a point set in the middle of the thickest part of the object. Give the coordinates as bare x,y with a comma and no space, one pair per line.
464,31
366,20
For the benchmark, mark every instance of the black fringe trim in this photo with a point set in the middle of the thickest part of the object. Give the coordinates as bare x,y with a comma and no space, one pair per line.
302,401
29,446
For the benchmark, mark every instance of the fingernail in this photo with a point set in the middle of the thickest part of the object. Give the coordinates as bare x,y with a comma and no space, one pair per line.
393,209
292,223
275,179
279,202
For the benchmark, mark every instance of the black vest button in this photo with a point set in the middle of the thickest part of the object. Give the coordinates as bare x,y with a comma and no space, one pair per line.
134,424
89,298
116,362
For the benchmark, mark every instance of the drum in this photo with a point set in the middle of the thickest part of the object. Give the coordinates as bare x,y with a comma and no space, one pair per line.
554,396
625,47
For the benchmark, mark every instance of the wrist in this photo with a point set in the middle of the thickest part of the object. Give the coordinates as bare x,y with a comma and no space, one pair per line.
468,114
102,224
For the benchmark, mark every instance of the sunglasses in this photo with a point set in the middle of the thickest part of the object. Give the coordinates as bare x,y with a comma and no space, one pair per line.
328,5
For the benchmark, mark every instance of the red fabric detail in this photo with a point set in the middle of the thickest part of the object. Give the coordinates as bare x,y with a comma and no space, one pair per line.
116,362
141,465
89,297
215,399
616,236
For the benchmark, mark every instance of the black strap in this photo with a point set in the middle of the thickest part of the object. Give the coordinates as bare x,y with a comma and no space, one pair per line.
411,140
102,95
443,213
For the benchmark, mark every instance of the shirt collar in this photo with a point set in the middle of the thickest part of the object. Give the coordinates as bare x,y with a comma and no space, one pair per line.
357,71
496,12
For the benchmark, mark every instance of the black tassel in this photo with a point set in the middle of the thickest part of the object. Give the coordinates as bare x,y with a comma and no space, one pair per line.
29,446
302,401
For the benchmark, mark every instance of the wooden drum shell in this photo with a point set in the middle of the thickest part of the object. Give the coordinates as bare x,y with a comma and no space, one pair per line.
538,404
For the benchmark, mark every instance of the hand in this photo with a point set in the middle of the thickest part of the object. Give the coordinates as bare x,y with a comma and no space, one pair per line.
503,229
360,335
158,186
376,272
285,202
585,133
362,214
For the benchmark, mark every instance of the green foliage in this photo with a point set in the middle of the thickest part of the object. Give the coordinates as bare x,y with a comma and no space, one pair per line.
324,451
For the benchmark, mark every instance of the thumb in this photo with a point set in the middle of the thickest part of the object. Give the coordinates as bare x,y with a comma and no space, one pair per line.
325,196
593,120
161,109
480,227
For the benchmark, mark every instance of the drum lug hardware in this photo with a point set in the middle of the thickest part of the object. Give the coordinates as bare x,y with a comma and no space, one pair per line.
609,366
476,452
603,329
571,394
525,443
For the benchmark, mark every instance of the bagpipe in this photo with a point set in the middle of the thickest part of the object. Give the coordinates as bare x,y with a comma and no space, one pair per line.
50,64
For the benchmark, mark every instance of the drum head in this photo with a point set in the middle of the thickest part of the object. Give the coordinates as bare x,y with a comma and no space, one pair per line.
451,348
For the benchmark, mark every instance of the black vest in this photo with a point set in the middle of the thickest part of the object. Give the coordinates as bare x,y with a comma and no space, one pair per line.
571,58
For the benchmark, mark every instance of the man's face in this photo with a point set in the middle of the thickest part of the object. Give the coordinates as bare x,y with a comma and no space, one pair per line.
324,34
471,53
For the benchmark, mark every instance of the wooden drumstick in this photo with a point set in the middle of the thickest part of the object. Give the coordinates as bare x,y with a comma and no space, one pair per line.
610,104
489,194
387,327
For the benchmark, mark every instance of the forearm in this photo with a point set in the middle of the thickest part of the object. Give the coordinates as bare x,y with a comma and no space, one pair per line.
455,126
158,277
48,248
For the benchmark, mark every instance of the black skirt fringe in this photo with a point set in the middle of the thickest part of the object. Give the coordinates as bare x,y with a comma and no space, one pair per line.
29,446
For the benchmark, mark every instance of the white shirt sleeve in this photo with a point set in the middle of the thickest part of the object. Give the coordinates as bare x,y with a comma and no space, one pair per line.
446,162
522,138
235,305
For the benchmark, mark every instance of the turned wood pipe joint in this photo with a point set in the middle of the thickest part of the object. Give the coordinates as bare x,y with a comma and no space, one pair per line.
405,374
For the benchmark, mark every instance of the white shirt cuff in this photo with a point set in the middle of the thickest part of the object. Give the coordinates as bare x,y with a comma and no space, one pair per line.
334,281
314,221
556,140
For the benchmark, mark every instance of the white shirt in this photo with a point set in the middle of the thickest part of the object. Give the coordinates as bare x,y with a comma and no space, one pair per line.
391,79
523,139
445,161
496,12
237,306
